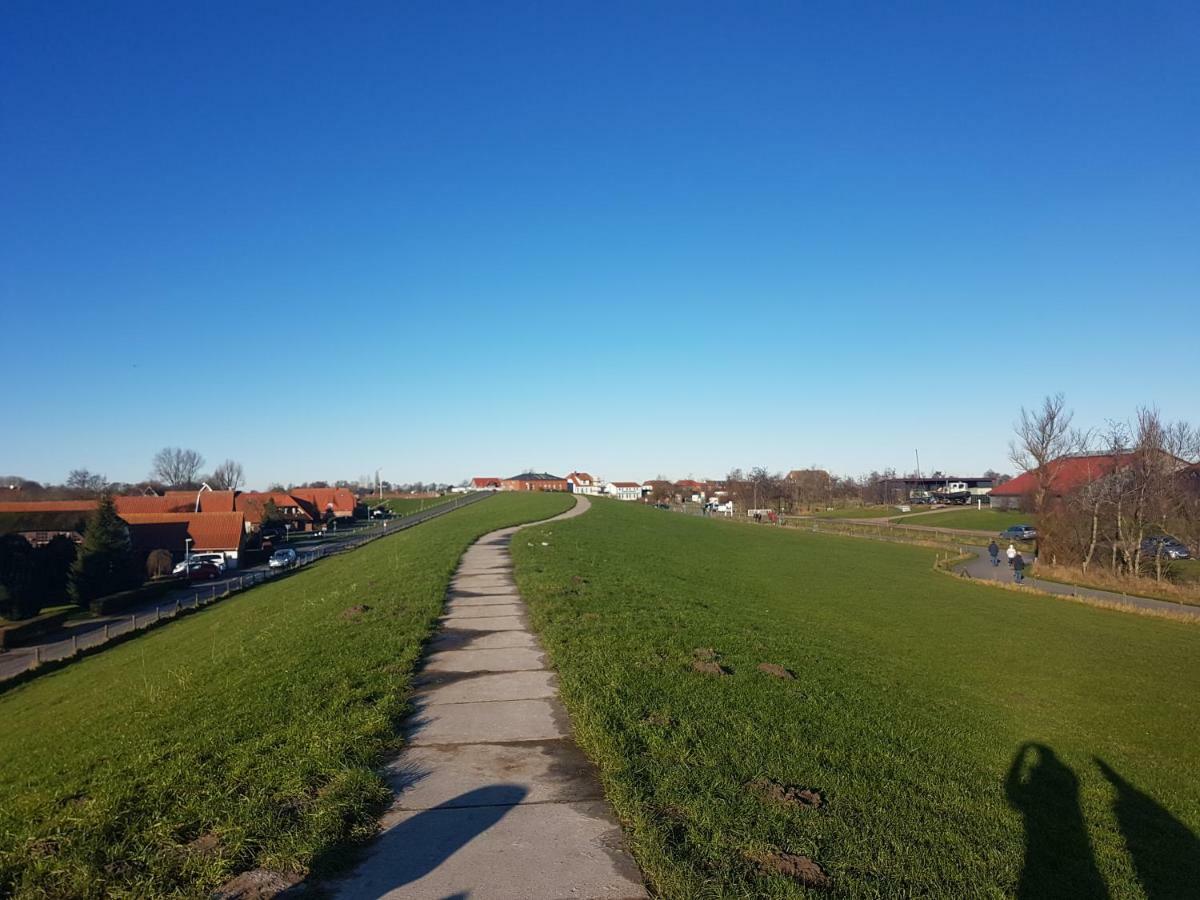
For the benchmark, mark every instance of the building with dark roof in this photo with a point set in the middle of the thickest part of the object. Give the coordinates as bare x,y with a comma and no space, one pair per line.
535,481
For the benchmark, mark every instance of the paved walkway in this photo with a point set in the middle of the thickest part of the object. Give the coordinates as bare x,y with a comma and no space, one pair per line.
981,567
494,801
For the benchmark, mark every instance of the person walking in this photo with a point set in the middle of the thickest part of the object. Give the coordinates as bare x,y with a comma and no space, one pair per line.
1011,553
1018,568
994,552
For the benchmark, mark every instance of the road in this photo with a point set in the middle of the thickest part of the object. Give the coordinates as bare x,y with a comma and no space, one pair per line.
981,568
307,546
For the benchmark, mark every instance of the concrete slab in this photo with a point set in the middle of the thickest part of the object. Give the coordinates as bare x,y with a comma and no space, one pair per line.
438,689
492,623
453,639
505,659
480,723
459,602
546,851
478,612
554,771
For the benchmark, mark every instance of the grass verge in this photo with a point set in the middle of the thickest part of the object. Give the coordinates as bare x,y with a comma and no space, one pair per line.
244,736
993,520
962,740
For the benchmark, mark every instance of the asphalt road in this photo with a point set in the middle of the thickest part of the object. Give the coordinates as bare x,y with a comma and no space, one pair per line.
17,660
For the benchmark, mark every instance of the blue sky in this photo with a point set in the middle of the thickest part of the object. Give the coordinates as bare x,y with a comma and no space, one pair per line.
459,239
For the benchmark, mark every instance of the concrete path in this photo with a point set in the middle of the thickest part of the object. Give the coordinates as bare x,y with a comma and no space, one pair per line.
494,801
981,567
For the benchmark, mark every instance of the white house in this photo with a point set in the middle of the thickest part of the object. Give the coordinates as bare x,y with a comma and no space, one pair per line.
582,483
624,490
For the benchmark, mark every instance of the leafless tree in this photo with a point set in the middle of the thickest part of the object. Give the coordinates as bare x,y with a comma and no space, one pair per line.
84,480
1043,436
176,467
228,476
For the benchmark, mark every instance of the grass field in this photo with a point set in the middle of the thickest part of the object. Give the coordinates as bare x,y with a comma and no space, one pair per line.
994,520
245,735
857,512
966,740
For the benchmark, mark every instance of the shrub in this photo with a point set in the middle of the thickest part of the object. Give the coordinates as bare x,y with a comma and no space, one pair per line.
159,563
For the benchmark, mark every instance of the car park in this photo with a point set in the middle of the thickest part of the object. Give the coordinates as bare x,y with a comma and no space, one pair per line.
282,559
1019,533
217,559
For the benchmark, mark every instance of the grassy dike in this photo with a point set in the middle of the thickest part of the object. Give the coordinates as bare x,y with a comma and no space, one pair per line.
246,735
966,741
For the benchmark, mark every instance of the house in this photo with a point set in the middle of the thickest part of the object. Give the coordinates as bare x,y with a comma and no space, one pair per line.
212,532
534,481
624,490
582,483
486,483
1066,475
295,515
690,491
326,503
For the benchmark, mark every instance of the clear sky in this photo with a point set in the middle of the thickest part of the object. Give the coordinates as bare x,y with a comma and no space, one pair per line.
632,238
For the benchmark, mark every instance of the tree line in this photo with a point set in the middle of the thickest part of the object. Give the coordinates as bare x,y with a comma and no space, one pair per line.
172,468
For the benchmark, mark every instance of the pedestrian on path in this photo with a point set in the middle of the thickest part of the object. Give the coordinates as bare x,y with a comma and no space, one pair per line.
1011,553
1018,565
994,552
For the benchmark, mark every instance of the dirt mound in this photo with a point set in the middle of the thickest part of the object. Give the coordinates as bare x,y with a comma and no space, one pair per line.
705,653
788,794
708,667
353,612
776,671
204,845
257,884
808,872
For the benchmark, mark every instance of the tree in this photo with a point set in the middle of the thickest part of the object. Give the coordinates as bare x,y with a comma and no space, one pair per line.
176,467
105,564
271,514
159,563
18,597
84,480
52,569
228,476
1043,436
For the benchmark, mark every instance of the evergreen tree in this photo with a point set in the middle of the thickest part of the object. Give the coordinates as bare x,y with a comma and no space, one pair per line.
18,595
105,563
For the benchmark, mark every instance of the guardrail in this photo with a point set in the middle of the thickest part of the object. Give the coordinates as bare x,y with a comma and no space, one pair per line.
72,647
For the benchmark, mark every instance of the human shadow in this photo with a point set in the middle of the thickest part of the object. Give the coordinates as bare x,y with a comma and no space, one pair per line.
418,845
1058,855
1165,852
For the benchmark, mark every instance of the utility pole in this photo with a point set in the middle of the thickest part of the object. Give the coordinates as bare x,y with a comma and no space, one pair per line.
378,483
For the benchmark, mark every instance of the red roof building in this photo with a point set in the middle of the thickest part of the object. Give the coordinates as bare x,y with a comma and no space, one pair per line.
218,532
485,483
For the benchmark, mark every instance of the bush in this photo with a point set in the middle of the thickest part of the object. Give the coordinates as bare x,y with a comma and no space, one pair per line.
125,599
18,588
159,563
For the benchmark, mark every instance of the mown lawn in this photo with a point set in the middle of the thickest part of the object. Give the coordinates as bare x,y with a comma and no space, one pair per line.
405,506
245,735
995,520
914,693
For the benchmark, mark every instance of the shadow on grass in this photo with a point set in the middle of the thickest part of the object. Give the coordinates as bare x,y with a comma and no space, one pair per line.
1058,855
1165,852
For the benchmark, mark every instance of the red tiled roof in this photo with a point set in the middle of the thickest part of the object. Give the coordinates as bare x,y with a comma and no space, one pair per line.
626,484
29,506
151,503
687,482
485,482
580,477
340,500
208,531
251,503
1066,474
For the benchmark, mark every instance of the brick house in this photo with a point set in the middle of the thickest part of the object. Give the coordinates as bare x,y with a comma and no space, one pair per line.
535,481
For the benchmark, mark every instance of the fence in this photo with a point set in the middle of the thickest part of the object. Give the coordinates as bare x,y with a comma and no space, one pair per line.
191,599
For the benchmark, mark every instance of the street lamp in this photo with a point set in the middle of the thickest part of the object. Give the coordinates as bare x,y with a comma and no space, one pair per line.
203,487
187,555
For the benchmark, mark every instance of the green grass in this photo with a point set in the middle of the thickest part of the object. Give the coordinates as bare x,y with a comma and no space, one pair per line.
256,725
914,693
857,512
995,520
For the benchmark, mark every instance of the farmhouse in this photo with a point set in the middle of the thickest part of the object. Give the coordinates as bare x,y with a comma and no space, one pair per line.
294,514
534,481
485,483
624,490
1071,473
582,483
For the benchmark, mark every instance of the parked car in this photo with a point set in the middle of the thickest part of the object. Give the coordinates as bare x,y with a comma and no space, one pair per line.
1019,533
203,571
217,559
282,559
1166,546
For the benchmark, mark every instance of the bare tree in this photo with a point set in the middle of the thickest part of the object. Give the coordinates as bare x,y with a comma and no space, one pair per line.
228,476
84,480
1043,436
176,467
